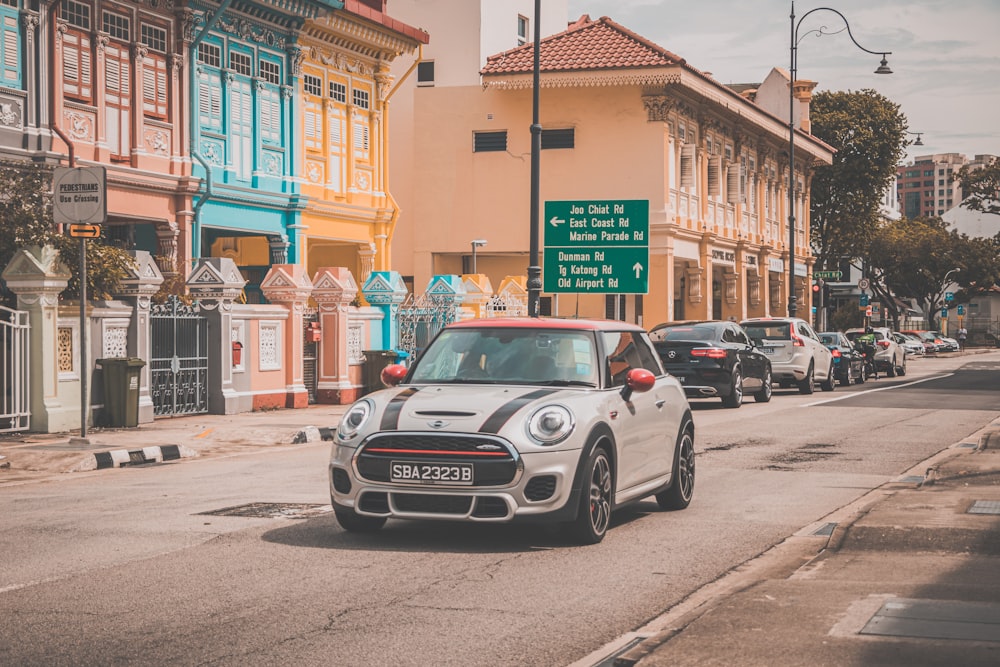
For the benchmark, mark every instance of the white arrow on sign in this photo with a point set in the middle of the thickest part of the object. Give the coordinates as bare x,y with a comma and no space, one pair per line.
637,267
555,222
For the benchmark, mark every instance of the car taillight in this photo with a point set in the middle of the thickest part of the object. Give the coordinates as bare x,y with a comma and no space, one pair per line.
797,340
883,343
710,352
836,353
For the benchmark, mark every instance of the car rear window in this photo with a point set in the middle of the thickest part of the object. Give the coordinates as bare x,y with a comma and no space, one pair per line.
759,331
686,332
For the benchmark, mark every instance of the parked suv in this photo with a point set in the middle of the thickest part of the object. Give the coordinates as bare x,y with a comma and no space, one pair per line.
797,355
890,357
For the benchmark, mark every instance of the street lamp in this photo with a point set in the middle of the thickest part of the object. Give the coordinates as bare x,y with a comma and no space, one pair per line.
883,68
477,243
944,284
534,270
917,142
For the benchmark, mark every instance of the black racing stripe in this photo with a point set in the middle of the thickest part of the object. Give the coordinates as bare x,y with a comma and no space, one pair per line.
390,418
496,420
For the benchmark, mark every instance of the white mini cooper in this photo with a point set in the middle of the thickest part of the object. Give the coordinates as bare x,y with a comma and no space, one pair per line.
525,419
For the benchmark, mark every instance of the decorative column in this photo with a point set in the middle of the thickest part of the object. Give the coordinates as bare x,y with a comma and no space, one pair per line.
289,286
385,290
37,276
216,282
137,290
334,288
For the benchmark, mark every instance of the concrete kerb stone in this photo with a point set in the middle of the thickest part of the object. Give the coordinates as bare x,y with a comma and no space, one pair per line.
118,458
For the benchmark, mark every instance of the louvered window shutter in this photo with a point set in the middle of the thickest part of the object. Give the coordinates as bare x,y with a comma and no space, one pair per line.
76,66
714,176
734,184
154,85
11,72
687,165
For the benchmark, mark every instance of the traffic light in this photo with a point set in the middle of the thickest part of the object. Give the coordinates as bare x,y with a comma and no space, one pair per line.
826,296
819,292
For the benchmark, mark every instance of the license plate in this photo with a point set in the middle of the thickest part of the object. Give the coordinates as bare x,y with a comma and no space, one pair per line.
430,473
768,350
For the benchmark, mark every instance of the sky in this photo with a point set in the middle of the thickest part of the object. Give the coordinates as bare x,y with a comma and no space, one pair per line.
945,54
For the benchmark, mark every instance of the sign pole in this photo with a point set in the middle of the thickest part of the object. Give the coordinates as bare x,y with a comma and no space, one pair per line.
79,200
83,339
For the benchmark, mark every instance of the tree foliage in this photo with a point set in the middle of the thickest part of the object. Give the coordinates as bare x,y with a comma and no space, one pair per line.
869,133
911,258
981,188
26,215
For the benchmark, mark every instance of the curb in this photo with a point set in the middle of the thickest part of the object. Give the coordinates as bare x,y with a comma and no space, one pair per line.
120,458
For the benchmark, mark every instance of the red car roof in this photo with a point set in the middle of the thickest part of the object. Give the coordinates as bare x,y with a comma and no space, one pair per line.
546,323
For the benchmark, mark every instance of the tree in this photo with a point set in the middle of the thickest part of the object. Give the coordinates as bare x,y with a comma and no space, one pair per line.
869,133
26,212
911,258
981,188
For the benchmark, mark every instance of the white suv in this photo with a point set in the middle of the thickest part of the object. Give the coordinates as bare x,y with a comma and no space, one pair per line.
796,353
890,356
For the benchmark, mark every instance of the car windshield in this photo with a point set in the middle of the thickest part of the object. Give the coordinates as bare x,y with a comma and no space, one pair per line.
829,339
685,332
509,356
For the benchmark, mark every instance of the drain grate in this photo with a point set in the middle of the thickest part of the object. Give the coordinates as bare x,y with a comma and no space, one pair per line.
825,529
272,510
985,507
911,479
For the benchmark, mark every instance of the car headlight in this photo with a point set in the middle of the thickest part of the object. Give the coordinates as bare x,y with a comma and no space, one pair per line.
550,424
354,419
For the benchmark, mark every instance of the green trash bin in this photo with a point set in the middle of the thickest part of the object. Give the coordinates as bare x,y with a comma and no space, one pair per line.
375,361
121,390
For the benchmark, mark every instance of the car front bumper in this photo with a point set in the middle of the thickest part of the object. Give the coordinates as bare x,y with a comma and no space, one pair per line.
542,490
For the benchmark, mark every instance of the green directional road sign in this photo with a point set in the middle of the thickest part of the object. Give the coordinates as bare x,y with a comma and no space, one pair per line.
828,275
596,247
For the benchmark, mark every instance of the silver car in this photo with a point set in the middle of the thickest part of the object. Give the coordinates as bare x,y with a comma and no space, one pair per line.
524,419
890,357
797,355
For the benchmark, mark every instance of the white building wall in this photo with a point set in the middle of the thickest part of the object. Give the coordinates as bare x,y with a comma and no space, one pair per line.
463,33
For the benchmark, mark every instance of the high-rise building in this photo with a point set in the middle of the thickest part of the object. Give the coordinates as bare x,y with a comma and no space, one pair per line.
927,187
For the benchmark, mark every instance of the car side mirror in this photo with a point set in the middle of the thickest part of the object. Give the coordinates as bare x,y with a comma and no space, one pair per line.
638,380
393,374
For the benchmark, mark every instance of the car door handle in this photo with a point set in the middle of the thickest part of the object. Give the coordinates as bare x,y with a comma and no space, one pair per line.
660,402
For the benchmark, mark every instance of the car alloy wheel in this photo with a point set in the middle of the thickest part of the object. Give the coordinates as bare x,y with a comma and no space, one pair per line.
764,395
806,385
678,496
735,398
595,509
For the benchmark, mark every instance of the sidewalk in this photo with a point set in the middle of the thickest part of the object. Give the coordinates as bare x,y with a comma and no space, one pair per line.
908,575
31,456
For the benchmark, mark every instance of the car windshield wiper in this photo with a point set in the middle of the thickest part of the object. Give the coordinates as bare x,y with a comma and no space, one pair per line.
565,383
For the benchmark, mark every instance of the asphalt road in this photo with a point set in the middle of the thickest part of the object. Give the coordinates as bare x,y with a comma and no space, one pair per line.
127,567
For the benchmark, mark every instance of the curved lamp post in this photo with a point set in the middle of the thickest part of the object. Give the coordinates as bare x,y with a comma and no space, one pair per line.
883,68
944,284
918,141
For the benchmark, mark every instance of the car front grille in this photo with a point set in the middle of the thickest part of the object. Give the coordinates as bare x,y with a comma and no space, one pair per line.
494,461
432,504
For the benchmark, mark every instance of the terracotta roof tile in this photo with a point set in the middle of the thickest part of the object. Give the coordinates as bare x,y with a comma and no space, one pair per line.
585,45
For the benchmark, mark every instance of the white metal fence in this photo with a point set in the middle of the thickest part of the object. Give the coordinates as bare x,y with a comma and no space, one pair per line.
15,412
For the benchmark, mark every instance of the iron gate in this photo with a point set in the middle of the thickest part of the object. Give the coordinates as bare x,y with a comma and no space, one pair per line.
179,358
310,349
420,318
14,407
